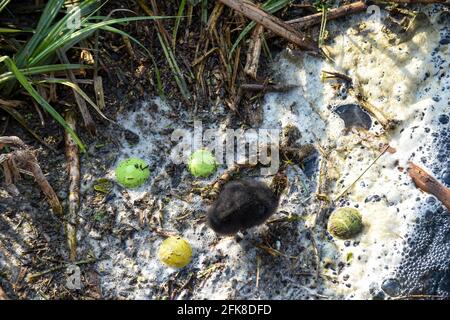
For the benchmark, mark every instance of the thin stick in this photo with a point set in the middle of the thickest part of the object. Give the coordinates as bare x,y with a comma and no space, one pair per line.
418,296
272,23
87,118
314,19
34,167
33,276
3,295
429,184
267,87
258,267
204,56
358,93
317,256
99,95
254,52
24,156
73,168
364,172
420,1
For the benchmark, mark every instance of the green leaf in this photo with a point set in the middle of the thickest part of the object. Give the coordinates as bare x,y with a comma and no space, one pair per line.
43,69
75,87
9,30
178,21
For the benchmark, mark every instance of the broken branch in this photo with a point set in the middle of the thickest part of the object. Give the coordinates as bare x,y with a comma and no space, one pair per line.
88,121
24,156
272,23
73,168
429,184
254,52
311,20
3,295
267,87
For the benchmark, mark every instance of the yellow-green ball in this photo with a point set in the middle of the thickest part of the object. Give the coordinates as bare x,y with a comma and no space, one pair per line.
345,223
132,172
175,252
202,163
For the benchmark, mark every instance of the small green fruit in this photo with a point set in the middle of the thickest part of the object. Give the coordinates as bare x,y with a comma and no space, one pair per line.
345,223
132,172
202,163
175,252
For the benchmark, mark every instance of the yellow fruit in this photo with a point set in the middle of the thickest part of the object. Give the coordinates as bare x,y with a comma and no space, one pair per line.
175,252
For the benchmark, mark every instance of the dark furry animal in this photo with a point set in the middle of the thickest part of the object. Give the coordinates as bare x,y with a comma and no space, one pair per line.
241,204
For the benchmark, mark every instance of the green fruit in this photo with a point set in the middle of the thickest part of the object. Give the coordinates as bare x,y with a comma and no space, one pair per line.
175,252
202,163
345,223
132,172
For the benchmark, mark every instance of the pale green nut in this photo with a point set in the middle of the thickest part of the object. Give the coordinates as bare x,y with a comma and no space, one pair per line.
345,223
132,172
202,163
175,252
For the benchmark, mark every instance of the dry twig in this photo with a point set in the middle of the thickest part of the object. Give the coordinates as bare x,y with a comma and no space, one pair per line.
73,168
429,184
254,52
3,295
314,19
23,157
420,1
87,118
272,23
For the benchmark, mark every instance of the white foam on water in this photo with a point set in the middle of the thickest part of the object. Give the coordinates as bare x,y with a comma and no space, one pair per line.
401,81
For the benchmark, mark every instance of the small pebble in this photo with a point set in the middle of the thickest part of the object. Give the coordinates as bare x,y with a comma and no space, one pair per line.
443,119
391,287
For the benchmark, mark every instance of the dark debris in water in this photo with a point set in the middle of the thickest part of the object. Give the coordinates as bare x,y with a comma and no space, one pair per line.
354,116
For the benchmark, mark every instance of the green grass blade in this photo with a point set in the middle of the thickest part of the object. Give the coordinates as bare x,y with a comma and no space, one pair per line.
9,30
204,11
87,7
48,16
69,39
27,86
77,88
179,78
3,4
42,69
178,21
157,73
